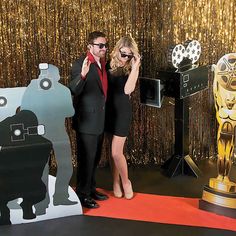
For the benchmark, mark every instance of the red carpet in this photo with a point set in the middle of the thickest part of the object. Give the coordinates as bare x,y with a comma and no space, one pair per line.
161,209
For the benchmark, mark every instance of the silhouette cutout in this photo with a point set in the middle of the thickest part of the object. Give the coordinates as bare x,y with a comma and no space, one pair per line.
52,103
10,100
23,156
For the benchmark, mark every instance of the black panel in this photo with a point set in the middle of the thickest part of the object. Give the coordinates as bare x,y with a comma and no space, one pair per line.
181,84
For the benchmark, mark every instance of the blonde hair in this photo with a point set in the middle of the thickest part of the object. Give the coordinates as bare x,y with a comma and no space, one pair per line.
126,41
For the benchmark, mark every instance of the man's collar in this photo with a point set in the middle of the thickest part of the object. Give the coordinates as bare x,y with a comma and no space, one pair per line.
92,59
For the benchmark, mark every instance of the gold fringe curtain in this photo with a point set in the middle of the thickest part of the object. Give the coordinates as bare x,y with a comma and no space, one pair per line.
55,31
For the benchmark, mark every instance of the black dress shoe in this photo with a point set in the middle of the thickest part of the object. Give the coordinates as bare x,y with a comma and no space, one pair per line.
88,202
99,196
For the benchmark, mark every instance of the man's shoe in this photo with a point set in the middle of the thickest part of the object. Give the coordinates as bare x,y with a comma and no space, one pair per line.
88,202
99,196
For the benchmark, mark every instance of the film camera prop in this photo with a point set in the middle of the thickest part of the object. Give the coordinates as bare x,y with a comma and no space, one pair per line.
219,196
182,79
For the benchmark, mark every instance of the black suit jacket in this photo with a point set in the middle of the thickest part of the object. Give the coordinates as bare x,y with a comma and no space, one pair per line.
89,99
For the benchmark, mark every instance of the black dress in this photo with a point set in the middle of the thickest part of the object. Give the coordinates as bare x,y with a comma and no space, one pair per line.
118,108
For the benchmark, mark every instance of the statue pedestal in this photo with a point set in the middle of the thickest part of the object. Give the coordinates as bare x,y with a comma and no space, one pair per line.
219,202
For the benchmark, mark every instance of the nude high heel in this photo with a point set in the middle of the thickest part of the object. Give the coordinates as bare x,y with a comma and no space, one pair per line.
129,194
117,190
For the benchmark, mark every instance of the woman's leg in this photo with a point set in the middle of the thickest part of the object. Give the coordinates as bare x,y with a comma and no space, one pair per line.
117,191
116,180
120,165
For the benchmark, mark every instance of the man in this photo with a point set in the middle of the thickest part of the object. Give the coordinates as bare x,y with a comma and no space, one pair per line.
89,87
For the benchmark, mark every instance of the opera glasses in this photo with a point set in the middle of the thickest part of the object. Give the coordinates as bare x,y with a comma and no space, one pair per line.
220,195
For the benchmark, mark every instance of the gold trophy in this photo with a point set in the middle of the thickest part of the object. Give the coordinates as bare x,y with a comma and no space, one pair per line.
220,195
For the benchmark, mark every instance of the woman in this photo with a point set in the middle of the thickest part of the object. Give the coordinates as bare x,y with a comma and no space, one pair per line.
122,77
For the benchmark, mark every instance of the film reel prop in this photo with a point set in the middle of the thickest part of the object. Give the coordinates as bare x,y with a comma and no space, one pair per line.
190,52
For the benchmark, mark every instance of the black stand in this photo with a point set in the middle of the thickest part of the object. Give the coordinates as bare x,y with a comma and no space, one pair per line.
181,162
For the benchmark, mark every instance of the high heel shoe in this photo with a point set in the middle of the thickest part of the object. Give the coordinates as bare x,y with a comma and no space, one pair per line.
117,191
129,194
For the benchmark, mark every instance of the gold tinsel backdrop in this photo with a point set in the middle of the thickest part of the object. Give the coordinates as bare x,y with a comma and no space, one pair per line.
55,31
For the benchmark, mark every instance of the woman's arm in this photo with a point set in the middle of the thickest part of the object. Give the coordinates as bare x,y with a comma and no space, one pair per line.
133,76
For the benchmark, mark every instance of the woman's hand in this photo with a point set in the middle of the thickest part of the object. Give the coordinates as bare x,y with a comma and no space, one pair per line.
85,67
136,61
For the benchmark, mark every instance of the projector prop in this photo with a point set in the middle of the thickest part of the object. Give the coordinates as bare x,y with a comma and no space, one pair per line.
180,80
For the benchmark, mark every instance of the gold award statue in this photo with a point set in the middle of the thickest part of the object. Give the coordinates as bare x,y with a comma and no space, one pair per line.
220,195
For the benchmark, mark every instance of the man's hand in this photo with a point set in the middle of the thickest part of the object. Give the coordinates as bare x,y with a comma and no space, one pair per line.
85,67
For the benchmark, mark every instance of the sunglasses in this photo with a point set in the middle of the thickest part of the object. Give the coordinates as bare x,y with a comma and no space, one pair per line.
101,45
122,54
